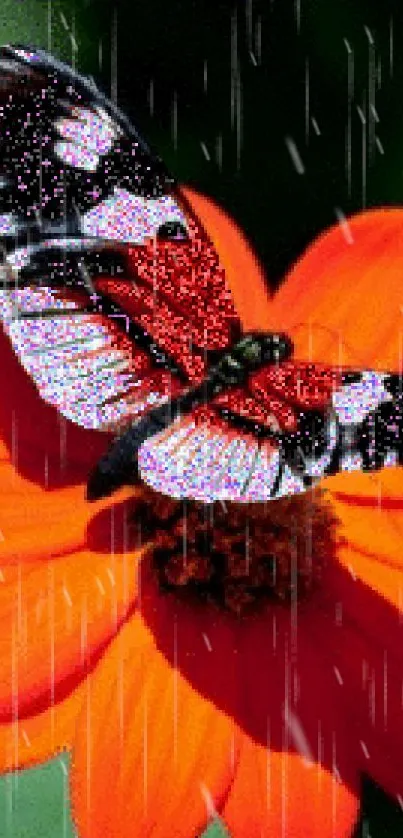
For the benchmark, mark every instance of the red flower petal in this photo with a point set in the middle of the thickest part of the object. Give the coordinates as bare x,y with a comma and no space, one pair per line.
357,629
35,738
152,751
342,301
58,615
280,793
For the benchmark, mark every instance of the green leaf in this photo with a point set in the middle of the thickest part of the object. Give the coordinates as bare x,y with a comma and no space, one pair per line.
35,803
216,830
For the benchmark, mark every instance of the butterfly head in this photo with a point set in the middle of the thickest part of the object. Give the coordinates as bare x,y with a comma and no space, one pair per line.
257,348
276,347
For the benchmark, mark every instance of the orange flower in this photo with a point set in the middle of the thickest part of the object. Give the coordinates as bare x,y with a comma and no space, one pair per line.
178,711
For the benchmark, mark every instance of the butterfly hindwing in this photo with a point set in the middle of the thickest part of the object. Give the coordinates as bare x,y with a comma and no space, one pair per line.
200,457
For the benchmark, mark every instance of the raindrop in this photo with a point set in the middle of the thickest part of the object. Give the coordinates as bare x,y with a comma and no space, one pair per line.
238,120
307,100
64,21
374,113
379,73
258,40
175,120
207,642
363,120
315,126
74,45
208,799
114,55
249,22
151,96
299,738
175,690
219,151
350,96
369,35
50,25
346,229
295,155
371,93
297,9
205,150
379,146
234,64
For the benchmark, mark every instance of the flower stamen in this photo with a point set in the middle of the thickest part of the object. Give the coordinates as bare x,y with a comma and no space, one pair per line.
238,555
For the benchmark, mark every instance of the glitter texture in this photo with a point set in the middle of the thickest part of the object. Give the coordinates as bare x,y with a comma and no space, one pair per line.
116,304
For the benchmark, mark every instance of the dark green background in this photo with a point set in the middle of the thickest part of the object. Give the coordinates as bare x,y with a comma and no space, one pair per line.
227,81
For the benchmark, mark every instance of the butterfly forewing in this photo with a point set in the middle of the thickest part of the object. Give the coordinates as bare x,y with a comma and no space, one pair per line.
110,292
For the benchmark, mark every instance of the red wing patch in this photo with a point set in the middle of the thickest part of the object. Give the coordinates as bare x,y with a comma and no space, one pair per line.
170,330
270,413
276,394
303,385
190,280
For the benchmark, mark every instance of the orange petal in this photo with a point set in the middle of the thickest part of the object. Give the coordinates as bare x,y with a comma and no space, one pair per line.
37,524
154,747
370,516
369,592
380,488
245,276
289,700
342,301
34,739
358,632
58,615
279,793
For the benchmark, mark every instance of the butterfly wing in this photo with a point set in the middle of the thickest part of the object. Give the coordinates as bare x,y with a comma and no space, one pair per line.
201,458
292,425
328,419
111,293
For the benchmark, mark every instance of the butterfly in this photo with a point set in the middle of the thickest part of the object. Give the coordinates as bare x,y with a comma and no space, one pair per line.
116,305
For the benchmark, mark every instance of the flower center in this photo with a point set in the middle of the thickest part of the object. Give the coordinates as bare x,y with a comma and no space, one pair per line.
239,555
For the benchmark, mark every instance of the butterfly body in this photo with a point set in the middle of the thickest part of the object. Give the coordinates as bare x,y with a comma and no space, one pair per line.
117,306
